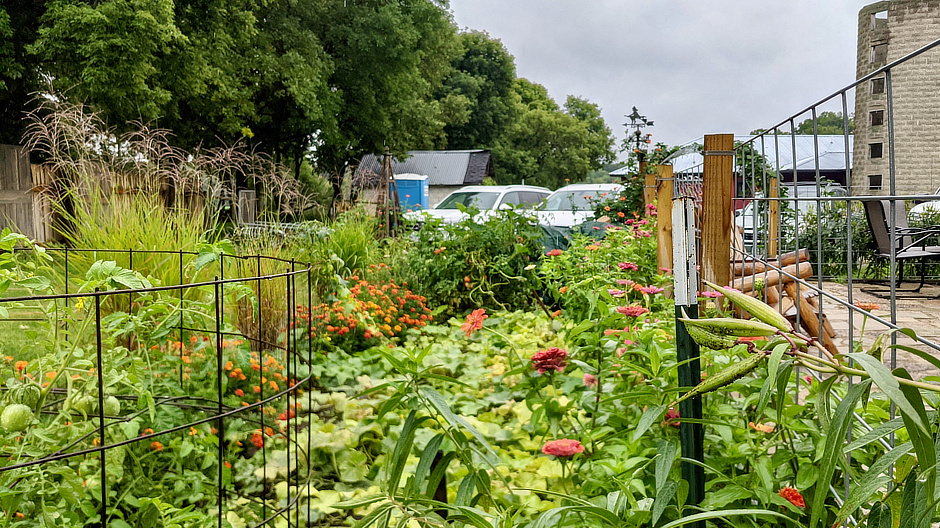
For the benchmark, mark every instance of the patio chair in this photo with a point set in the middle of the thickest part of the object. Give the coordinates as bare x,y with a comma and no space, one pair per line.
909,244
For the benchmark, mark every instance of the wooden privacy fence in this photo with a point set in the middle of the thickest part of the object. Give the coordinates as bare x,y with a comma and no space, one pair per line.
25,205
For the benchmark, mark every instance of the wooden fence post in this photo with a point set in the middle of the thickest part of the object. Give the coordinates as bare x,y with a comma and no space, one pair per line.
664,186
649,184
718,176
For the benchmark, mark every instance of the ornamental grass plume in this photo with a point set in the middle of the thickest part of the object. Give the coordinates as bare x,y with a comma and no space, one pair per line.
565,447
792,495
552,359
632,310
474,321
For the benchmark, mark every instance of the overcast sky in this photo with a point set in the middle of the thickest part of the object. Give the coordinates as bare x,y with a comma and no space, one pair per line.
693,67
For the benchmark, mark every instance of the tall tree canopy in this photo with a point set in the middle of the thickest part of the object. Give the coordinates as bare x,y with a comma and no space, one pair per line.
317,80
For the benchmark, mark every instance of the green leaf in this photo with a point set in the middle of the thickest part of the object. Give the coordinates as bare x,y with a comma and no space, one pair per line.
358,503
916,425
724,514
34,283
881,431
440,472
465,490
835,436
872,481
663,498
400,454
424,465
773,364
549,518
666,456
885,381
879,516
929,358
783,379
650,416
914,504
379,511
437,401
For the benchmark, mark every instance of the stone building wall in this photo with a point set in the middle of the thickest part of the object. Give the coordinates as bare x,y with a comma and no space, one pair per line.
887,31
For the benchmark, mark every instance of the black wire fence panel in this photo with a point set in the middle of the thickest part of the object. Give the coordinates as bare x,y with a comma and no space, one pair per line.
128,398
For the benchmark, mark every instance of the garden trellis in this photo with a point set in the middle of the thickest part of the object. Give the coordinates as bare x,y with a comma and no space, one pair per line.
201,338
830,225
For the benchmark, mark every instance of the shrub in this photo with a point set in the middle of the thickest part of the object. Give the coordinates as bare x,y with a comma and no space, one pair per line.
475,264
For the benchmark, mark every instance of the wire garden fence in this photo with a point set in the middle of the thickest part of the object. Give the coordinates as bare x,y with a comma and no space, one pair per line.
193,385
820,241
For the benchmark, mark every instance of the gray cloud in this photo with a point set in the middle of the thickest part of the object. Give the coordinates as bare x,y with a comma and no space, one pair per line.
693,67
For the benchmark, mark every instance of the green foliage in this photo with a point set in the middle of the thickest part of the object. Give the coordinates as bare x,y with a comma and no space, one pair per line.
475,263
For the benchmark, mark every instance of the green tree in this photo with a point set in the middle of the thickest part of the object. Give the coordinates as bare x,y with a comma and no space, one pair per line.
550,146
827,123
479,92
19,71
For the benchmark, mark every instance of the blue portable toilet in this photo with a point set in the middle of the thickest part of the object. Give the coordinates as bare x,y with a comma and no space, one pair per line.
413,191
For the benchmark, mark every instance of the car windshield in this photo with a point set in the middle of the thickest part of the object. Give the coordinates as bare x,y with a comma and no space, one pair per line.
479,200
576,200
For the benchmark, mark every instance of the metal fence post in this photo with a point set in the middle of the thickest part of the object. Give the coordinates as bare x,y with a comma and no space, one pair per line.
685,279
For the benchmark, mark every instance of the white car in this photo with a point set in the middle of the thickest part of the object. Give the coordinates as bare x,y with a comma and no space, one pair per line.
925,211
486,198
574,204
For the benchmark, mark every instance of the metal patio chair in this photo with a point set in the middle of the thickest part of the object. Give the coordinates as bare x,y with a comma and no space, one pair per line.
910,242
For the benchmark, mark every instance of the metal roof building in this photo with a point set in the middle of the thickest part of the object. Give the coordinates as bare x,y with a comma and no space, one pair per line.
783,152
443,167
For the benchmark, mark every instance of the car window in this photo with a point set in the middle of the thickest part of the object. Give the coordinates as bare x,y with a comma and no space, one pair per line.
576,200
511,198
480,200
532,198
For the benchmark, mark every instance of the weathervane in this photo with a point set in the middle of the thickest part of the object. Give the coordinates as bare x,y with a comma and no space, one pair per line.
638,123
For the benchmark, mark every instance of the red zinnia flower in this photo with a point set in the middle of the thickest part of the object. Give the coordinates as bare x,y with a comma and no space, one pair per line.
474,321
554,253
792,495
564,447
632,310
672,417
552,359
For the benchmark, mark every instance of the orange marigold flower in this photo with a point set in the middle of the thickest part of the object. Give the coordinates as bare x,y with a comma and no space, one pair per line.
8,358
193,339
554,253
474,321
193,431
792,495
20,365
591,247
564,447
156,446
268,431
51,374
239,393
763,428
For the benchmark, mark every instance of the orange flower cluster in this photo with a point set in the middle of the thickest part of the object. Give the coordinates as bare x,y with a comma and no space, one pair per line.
378,310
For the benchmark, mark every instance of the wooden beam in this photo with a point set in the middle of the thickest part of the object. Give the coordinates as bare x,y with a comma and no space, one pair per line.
649,185
664,188
717,197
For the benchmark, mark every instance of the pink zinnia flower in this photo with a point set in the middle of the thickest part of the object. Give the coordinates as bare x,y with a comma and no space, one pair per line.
633,310
615,293
711,294
474,321
552,359
672,417
621,351
628,266
666,270
624,282
590,380
651,290
565,447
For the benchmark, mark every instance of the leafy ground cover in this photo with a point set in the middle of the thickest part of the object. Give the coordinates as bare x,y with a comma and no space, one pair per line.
543,399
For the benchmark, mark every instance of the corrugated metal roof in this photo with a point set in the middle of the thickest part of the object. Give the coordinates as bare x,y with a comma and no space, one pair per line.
443,167
831,153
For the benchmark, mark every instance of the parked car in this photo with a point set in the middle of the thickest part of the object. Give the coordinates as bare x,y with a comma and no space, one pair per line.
806,192
574,204
925,211
485,198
